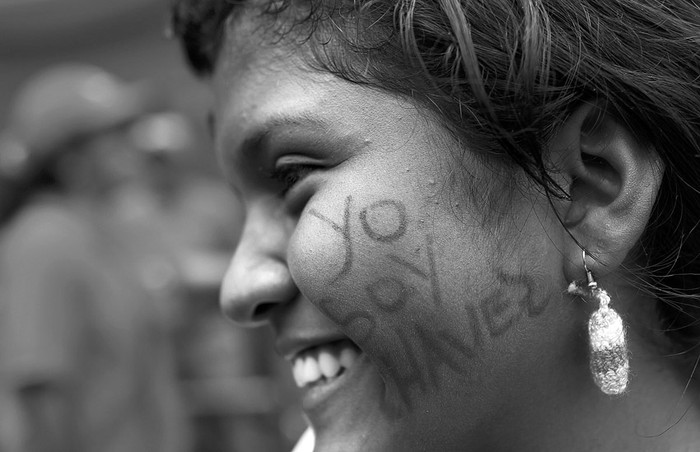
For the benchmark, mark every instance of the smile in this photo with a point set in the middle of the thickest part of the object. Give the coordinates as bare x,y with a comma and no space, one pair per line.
324,363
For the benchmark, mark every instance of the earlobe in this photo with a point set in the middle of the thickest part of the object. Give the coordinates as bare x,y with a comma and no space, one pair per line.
613,178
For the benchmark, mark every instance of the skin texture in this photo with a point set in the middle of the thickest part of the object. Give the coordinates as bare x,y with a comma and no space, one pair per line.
453,288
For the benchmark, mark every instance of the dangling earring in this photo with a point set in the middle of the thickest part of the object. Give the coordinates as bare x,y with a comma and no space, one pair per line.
609,361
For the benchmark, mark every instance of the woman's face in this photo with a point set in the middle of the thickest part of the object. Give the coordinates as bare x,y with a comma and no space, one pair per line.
416,294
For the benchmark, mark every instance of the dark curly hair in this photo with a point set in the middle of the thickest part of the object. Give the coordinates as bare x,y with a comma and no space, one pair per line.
506,73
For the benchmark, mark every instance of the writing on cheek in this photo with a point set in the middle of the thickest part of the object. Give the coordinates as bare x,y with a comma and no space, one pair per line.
344,231
416,349
389,294
429,275
500,311
380,231
423,347
346,318
373,220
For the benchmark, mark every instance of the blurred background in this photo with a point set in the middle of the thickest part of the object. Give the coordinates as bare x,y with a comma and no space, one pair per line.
115,230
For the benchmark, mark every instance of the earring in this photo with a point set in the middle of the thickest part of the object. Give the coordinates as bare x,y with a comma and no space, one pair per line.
609,361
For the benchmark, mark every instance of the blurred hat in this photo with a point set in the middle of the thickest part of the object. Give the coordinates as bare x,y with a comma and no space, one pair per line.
64,103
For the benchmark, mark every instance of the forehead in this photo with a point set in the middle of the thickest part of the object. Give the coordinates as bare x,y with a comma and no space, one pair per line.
265,74
252,27
266,86
253,52
262,85
263,68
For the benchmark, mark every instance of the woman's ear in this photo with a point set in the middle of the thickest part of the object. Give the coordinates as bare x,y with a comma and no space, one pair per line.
613,178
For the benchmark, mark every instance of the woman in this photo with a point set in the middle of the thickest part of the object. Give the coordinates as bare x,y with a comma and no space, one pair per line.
423,181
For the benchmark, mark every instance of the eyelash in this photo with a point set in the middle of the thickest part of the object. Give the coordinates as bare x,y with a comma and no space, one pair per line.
290,174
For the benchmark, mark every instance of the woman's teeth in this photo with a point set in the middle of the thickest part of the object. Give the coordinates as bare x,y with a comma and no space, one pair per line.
323,363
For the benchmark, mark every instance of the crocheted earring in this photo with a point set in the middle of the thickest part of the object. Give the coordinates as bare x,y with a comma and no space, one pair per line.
609,361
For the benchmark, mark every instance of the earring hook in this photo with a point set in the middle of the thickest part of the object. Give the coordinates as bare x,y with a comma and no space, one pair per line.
589,275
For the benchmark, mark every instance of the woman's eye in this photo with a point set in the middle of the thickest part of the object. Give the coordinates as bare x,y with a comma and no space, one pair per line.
290,174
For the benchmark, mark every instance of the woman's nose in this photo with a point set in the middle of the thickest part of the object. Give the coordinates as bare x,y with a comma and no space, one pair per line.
257,281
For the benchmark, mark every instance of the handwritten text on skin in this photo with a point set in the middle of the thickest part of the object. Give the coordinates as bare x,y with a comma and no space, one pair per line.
420,345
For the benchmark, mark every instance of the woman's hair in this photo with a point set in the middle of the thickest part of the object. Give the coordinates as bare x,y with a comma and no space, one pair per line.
504,74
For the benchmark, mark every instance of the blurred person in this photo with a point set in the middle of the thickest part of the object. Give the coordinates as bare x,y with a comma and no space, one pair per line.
85,361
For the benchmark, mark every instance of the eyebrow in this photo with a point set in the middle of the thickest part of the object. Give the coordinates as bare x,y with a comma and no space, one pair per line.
280,122
309,131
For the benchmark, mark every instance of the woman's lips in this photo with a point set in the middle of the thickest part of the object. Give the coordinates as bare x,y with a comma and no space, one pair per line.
323,363
331,375
341,390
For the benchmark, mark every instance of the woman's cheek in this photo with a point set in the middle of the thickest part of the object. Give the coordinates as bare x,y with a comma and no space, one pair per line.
318,253
350,259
